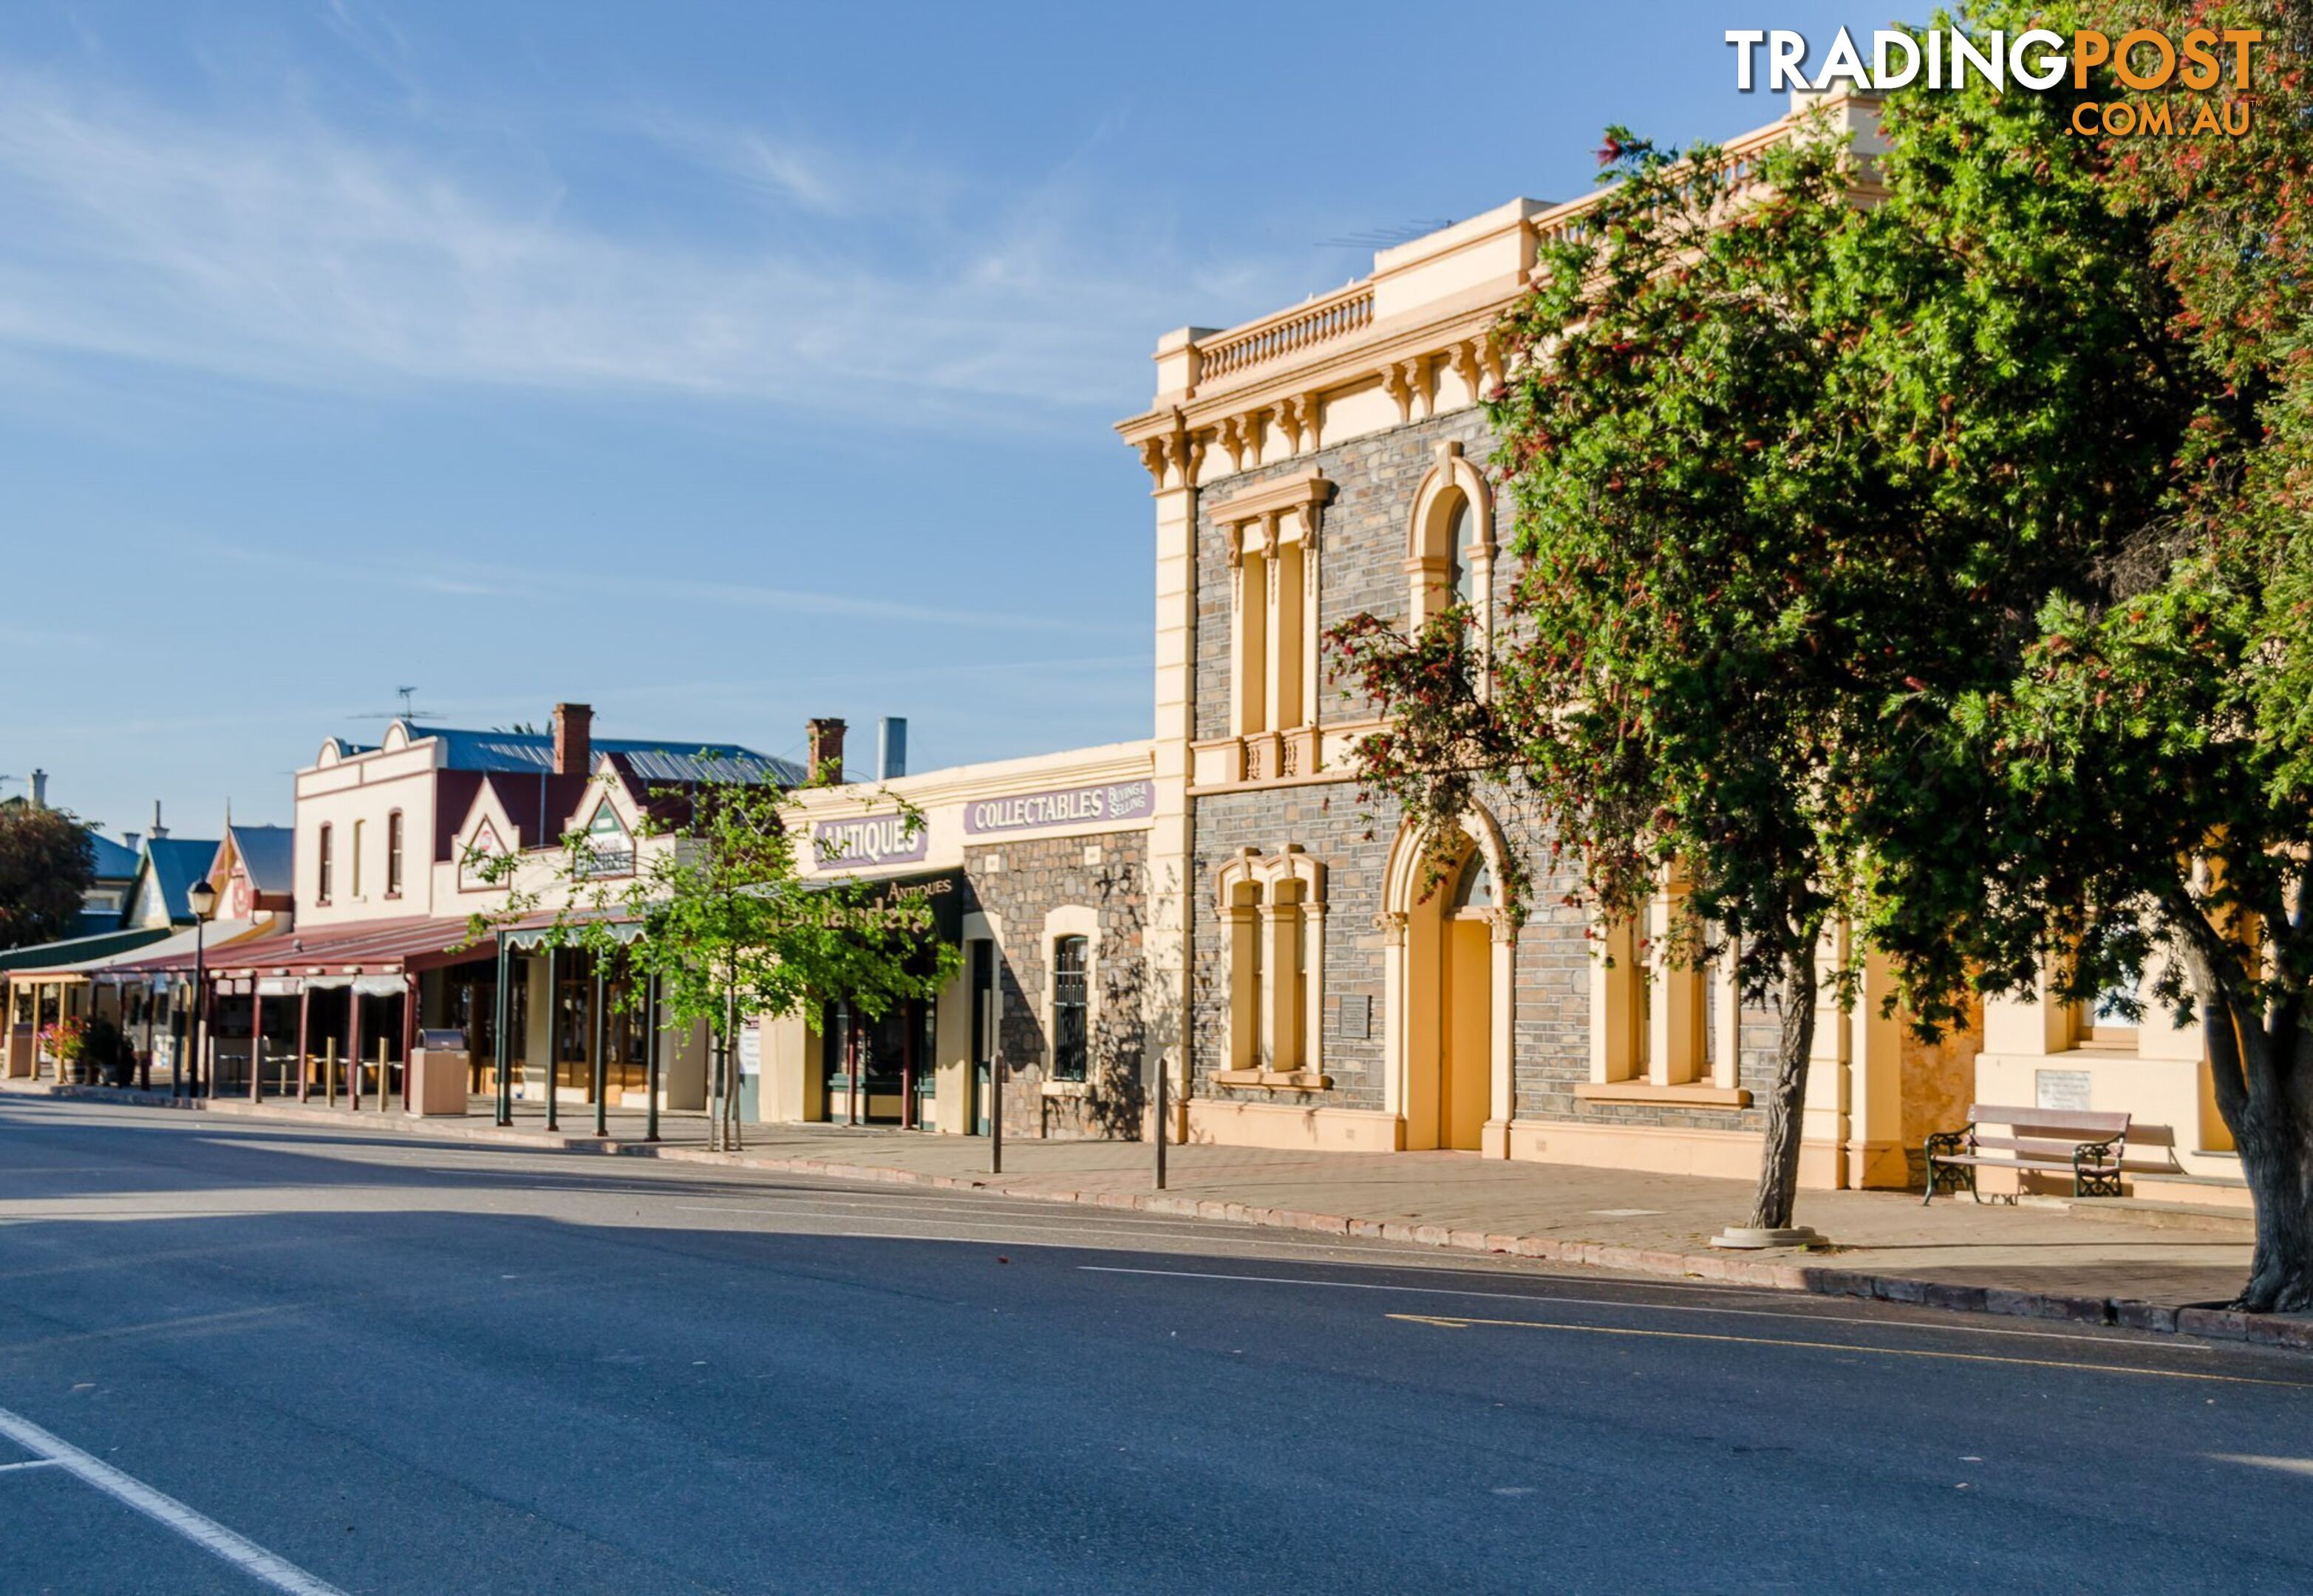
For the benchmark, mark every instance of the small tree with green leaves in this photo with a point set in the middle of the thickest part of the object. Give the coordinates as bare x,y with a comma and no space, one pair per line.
724,923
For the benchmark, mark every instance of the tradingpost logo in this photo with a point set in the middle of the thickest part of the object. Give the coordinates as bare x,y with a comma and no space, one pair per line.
2212,66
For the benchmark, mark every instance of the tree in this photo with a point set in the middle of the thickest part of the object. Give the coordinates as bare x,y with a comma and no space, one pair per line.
724,922
1795,454
2142,816
47,866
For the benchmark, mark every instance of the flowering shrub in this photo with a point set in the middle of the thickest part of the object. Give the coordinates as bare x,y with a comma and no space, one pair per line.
66,1040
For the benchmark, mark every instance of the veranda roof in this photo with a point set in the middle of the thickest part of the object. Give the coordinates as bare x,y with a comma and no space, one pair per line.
218,935
75,952
374,947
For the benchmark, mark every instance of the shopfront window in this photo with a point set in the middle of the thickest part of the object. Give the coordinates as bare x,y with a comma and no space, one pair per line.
1071,987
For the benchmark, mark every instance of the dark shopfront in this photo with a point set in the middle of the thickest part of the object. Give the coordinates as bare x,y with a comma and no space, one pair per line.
878,1069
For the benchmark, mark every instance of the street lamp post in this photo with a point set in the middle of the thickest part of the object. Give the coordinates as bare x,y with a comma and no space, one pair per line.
201,898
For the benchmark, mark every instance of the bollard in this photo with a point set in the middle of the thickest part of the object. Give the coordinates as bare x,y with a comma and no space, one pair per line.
330,1072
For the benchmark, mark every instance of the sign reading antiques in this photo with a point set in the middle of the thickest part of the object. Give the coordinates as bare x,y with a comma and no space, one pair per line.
869,839
1107,802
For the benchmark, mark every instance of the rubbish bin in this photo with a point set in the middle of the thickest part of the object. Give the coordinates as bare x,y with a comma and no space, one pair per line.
438,1074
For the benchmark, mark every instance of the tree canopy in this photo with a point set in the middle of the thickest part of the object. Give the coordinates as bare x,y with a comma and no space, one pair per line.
2139,820
47,866
1798,449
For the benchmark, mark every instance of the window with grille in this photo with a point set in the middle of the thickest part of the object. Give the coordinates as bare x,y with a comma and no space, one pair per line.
1071,984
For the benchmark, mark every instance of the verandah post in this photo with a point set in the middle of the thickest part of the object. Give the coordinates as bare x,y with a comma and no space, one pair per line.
502,1084
650,1058
601,1046
352,1050
553,1035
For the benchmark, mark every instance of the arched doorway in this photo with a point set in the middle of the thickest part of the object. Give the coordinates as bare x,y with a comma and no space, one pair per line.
1450,994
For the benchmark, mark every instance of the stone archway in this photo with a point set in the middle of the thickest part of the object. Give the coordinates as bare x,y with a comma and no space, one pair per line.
1450,993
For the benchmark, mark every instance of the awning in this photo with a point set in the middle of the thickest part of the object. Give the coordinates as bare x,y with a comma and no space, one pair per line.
943,890
374,948
75,952
156,952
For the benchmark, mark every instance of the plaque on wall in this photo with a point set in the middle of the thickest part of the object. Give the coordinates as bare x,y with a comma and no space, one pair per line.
2059,1089
1355,1017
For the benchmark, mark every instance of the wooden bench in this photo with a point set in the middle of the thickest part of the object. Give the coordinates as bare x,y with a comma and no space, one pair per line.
2074,1142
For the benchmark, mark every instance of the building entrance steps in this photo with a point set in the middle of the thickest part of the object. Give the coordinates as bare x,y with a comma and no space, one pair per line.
2026,1259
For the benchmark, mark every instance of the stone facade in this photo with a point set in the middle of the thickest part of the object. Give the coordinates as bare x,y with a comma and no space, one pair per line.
1365,545
1362,567
1016,885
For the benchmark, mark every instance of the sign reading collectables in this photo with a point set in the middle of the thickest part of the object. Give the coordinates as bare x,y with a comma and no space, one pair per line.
1104,803
868,839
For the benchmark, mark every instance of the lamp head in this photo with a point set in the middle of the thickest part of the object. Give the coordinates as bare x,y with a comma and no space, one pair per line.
202,896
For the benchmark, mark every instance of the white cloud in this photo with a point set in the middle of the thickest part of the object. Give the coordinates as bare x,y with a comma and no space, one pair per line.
282,247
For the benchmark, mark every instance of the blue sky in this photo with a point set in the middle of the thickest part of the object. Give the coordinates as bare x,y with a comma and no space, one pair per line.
719,365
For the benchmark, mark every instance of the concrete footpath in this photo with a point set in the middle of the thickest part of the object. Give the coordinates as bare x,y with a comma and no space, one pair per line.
2139,1268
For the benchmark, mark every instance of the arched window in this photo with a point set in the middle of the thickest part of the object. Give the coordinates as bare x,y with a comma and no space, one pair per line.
1273,910
394,854
1460,562
1450,546
325,863
1271,536
355,863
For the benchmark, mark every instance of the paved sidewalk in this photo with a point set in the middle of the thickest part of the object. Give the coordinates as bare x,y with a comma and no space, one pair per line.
2020,1259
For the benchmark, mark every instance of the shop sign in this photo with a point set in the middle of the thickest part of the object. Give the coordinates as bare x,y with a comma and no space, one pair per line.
868,839
1106,802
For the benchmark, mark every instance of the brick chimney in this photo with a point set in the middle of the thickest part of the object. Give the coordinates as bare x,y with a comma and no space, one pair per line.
826,741
573,738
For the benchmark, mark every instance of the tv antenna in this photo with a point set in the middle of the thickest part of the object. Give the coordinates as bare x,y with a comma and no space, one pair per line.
408,696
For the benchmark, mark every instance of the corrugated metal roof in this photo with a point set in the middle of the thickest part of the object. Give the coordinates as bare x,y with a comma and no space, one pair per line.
176,863
177,946
669,759
270,853
114,862
74,950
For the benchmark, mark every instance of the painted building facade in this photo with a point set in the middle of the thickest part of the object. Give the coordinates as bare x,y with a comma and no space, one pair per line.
1037,872
1325,991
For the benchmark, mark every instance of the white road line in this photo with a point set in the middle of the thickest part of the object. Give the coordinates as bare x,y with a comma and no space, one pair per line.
1510,1297
166,1510
34,1463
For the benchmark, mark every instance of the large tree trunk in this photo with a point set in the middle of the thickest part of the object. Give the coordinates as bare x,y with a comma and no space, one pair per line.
2278,1165
1779,1165
2255,1073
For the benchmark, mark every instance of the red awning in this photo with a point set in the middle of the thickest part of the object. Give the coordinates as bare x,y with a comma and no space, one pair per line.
374,948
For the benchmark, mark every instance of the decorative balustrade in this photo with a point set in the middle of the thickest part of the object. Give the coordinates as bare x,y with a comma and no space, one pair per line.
1350,311
1305,326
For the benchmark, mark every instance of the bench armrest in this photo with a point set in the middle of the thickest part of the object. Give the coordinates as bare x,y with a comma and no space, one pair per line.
1951,1141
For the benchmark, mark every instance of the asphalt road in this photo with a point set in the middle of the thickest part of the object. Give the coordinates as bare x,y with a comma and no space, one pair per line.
235,1357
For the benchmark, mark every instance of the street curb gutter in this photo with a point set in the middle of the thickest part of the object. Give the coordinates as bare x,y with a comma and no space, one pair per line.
2216,1324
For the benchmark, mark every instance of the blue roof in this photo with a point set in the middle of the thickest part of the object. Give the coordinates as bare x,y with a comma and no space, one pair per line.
663,759
113,862
178,862
271,854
